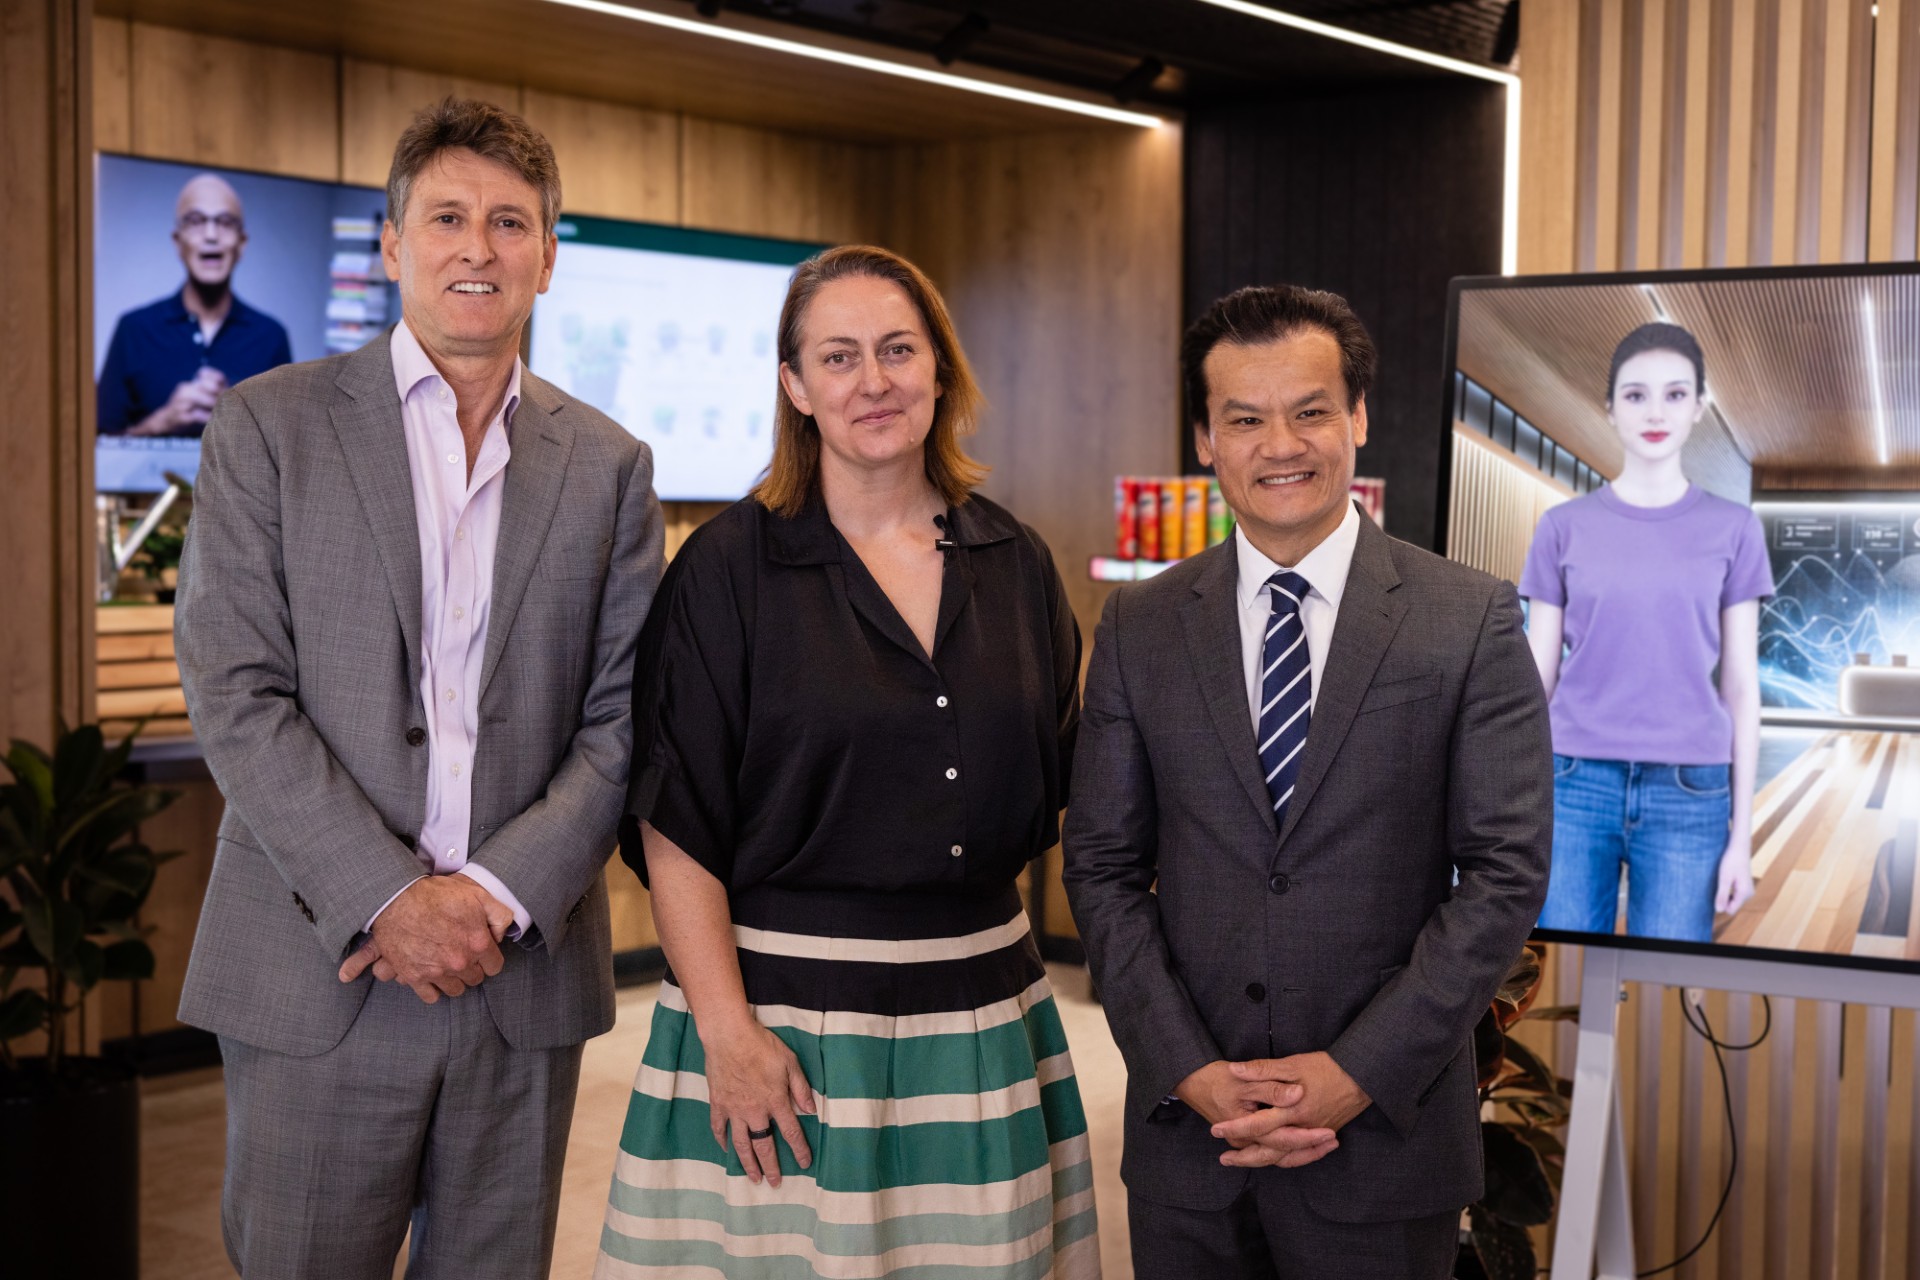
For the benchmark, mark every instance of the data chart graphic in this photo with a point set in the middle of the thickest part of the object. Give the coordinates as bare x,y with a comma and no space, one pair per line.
670,333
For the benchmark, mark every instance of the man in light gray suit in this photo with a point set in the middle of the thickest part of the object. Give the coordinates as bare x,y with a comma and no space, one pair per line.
406,619
1330,751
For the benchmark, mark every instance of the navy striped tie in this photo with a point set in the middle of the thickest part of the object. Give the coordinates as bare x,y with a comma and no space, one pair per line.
1286,690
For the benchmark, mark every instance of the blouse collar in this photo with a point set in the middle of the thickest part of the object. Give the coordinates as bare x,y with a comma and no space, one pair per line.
808,538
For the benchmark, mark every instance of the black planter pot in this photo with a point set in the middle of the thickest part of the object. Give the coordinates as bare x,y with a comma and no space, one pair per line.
70,1171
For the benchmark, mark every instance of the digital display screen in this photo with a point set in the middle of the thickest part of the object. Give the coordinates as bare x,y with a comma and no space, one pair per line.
1709,520
671,333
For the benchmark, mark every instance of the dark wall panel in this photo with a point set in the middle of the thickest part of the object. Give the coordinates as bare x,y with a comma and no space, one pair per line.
1382,197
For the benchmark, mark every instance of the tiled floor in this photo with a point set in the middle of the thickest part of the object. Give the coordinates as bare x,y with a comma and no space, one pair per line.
184,1134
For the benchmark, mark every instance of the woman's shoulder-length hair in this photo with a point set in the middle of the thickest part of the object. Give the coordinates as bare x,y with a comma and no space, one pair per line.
793,477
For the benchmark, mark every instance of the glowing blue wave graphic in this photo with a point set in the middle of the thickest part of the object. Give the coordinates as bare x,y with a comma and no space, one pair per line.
1826,608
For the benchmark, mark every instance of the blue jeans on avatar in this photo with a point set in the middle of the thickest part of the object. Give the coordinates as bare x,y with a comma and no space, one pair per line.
1664,825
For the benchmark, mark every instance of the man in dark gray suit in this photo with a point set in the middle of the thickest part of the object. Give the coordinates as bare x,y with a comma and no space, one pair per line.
1330,751
406,621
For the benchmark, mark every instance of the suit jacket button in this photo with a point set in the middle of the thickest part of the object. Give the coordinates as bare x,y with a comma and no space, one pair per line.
1256,992
416,736
1278,883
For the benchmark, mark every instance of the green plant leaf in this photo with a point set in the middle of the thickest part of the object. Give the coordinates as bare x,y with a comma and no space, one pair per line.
1517,1190
21,1013
116,816
1547,1145
34,771
128,960
85,965
1533,1074
53,926
1553,1013
1505,1250
123,870
77,758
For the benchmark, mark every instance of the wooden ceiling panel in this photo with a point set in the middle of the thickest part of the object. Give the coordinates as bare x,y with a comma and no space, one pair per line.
592,55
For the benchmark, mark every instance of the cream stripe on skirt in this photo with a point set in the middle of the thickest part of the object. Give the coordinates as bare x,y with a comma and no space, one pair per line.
949,1142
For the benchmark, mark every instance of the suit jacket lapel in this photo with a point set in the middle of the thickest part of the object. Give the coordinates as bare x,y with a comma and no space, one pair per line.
542,442
1369,616
373,439
1211,618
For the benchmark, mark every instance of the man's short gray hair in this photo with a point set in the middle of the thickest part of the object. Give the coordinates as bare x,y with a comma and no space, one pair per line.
484,129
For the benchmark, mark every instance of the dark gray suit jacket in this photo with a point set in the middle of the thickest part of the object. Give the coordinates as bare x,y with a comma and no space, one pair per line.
1344,930
298,631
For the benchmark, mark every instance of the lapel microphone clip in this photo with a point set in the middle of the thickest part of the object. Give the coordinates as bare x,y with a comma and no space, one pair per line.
943,543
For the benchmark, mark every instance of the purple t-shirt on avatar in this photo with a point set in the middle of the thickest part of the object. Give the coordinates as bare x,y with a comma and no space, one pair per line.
1643,588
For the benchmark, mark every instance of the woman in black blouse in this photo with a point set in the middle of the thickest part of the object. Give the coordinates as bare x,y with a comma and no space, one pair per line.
854,708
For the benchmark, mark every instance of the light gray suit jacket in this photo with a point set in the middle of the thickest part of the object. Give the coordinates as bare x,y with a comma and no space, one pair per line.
298,632
1342,930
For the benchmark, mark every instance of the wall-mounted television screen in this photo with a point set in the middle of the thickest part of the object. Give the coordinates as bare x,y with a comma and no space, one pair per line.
1696,481
670,332
204,277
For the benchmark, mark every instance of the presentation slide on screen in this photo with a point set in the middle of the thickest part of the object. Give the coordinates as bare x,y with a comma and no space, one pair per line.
1653,460
204,278
671,334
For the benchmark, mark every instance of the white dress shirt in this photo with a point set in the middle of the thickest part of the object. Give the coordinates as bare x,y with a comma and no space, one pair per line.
459,520
1325,569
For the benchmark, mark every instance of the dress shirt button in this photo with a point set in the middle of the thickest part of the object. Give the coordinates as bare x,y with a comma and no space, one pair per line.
453,457
459,535
458,613
449,695
1256,992
443,393
416,736
456,770
452,852
940,701
955,851
1278,883
952,774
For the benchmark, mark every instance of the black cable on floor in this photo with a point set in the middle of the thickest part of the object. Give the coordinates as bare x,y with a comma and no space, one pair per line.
1704,1030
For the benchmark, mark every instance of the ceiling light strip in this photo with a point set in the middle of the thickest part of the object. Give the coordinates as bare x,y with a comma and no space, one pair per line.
1510,186
1873,362
880,66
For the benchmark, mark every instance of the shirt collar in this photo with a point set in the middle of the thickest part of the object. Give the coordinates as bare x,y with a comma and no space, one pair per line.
809,536
238,312
412,366
1325,567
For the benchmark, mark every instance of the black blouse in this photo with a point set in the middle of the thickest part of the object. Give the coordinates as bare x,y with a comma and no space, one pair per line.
790,731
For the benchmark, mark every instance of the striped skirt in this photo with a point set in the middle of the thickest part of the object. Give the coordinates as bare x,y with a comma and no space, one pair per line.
949,1142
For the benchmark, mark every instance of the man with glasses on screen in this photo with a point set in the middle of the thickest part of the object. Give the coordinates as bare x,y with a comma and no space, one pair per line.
169,361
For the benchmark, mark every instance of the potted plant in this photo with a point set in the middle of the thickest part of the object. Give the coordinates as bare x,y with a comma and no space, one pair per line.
74,874
1524,1157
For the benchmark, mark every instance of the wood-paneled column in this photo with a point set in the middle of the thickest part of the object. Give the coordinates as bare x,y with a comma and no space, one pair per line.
46,383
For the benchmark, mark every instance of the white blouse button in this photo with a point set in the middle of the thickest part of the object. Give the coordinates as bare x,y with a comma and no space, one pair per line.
955,851
941,701
952,774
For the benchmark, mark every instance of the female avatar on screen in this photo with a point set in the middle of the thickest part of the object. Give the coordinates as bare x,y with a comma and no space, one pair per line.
1644,620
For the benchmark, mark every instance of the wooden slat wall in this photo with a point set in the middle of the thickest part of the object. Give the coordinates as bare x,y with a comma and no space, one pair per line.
1708,133
1045,238
1497,500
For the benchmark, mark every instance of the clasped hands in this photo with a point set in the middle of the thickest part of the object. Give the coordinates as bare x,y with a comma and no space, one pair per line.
440,936
1275,1111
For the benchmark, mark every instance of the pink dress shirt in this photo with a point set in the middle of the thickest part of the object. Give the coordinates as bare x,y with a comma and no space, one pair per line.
459,519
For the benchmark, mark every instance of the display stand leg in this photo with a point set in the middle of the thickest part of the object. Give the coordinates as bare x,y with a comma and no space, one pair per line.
1595,1218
